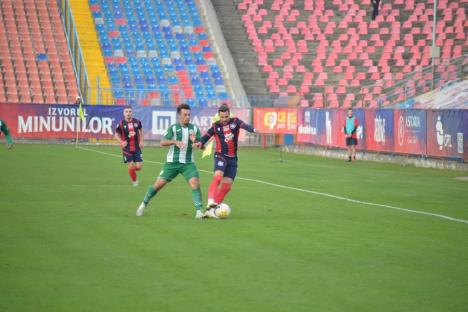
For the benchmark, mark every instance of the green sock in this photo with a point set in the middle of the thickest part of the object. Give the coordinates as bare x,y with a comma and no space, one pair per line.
8,139
197,199
149,194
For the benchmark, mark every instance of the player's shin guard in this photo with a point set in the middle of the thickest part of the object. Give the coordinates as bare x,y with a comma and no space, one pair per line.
132,173
149,194
214,187
222,192
197,199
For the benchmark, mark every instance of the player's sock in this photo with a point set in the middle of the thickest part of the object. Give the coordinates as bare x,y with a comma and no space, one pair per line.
214,186
132,174
8,139
222,192
197,199
149,194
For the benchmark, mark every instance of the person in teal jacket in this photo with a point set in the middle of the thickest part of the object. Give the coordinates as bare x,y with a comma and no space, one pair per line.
350,130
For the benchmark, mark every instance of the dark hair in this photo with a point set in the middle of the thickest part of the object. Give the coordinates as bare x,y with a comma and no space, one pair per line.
350,108
128,107
223,108
181,107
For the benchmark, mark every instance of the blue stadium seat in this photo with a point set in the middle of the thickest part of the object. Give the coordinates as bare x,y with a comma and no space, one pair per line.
157,41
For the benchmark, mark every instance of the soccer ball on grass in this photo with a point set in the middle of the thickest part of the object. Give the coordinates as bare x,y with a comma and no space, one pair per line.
223,211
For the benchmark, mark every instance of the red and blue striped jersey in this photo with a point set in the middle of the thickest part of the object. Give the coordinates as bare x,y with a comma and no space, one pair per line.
129,131
226,137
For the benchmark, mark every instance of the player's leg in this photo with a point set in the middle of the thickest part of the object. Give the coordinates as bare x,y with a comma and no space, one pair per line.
348,147
226,184
137,164
150,193
132,172
224,189
190,173
220,163
169,172
353,150
6,131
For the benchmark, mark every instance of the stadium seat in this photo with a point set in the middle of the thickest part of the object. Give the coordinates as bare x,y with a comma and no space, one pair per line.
34,40
377,49
175,42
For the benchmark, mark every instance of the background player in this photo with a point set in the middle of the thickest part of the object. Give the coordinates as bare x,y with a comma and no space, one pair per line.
350,129
226,134
6,131
129,133
180,160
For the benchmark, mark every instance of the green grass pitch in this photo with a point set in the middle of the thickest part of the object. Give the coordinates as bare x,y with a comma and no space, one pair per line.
70,241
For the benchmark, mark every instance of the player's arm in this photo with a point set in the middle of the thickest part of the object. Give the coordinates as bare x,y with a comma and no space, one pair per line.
205,138
245,126
140,134
195,138
168,139
179,144
118,137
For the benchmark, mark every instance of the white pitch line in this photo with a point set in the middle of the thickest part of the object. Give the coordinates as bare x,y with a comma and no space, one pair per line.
436,215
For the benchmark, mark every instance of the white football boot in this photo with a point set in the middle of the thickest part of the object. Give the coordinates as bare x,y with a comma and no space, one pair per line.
210,213
141,209
211,203
199,214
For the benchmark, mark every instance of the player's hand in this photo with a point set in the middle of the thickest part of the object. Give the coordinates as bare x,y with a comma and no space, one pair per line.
141,144
192,137
179,144
196,145
123,144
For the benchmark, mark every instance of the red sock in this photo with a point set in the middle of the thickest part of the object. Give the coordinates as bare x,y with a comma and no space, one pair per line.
222,192
132,174
214,186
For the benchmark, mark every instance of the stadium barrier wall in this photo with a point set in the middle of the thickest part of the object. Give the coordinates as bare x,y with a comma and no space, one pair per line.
32,121
435,133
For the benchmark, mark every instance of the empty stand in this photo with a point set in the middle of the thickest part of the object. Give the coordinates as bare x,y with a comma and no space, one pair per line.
331,52
34,58
158,50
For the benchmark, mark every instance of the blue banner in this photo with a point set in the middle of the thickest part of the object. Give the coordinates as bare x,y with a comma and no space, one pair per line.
445,133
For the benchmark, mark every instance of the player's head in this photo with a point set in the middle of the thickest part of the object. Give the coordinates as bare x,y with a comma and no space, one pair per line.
128,112
224,114
350,112
183,110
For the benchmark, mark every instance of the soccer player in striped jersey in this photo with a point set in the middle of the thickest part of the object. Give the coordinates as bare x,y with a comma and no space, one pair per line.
226,134
180,160
129,133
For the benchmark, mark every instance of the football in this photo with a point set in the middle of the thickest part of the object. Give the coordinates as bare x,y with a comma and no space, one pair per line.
223,211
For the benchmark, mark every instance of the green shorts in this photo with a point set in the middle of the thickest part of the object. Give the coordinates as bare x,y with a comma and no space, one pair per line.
171,170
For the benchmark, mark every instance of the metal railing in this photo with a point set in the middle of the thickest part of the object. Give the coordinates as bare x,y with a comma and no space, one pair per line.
79,65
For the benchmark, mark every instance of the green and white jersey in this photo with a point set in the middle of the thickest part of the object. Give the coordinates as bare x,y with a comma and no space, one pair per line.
177,132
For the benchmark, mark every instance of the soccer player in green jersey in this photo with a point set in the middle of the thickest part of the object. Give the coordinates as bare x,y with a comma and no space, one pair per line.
180,160
6,131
